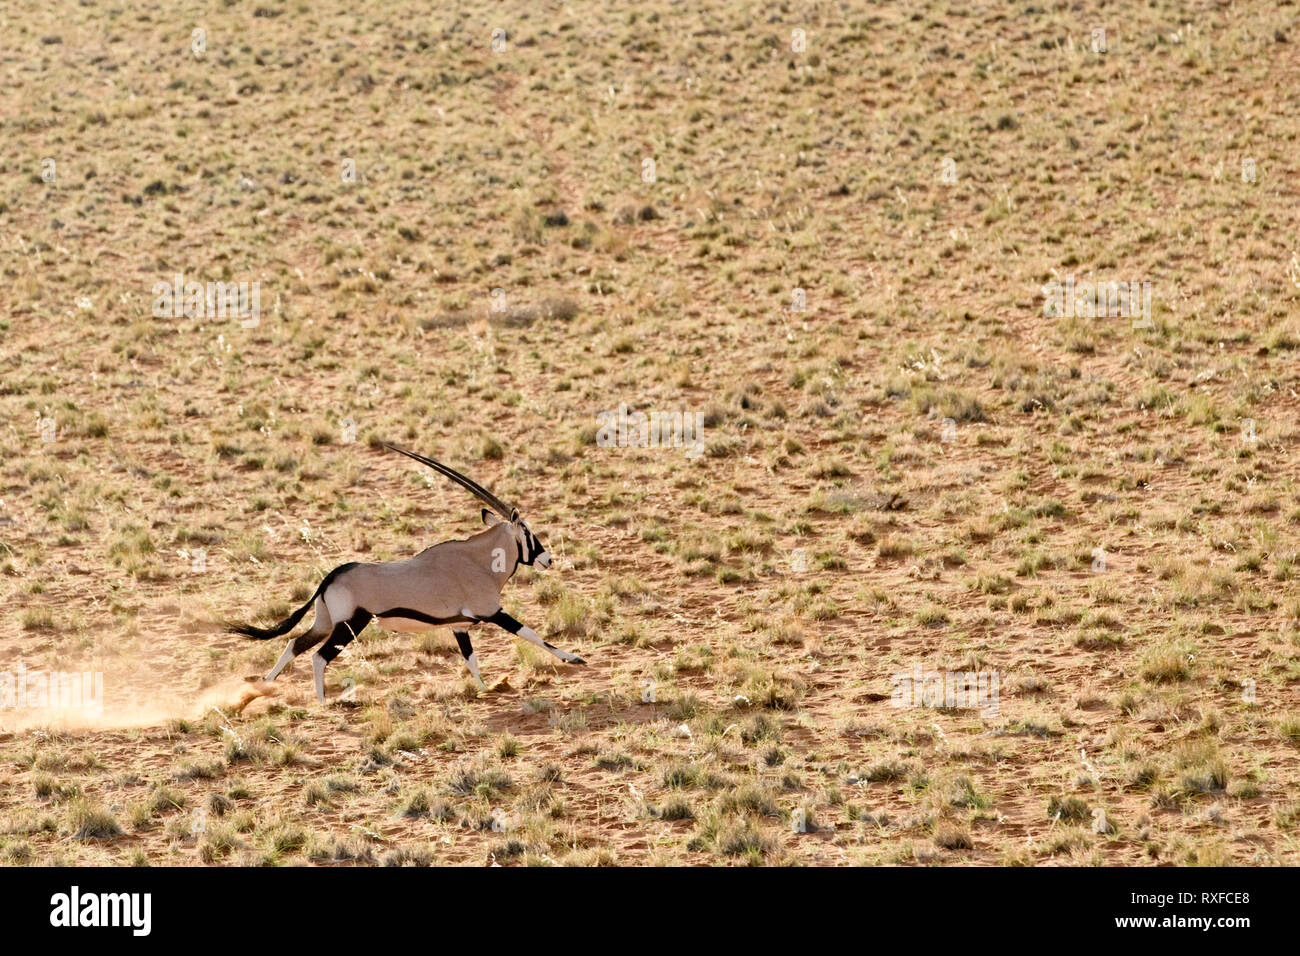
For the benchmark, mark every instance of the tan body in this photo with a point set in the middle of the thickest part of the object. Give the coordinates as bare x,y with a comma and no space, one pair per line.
452,582
456,583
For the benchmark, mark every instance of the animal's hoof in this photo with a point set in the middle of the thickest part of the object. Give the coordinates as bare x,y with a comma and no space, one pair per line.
576,660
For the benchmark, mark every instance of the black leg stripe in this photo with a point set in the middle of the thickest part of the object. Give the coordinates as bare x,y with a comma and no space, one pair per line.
466,648
504,621
330,651
343,634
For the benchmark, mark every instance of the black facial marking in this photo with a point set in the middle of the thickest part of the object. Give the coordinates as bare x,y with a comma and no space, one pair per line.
534,546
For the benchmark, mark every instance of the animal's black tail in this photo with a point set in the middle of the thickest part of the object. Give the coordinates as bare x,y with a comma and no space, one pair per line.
266,633
284,627
290,622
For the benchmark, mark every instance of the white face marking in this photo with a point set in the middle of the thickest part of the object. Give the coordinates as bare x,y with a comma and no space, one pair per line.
532,548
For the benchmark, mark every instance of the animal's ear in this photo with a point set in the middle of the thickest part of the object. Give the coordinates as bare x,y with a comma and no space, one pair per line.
486,515
514,515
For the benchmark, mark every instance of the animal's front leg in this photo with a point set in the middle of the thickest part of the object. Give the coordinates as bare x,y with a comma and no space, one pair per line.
471,659
504,621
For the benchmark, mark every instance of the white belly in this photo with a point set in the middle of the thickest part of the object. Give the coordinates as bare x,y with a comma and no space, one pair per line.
403,624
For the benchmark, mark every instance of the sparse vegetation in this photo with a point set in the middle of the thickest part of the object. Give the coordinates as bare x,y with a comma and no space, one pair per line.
907,469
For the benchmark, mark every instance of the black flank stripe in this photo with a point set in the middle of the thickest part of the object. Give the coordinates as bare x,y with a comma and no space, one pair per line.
412,615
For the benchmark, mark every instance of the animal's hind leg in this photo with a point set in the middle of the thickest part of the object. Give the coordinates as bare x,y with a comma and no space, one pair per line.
471,659
303,642
342,635
503,620
283,662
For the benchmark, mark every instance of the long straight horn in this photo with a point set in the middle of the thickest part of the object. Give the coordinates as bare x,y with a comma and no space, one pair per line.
473,487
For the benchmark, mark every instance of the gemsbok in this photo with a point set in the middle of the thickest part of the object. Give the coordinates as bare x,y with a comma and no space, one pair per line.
456,583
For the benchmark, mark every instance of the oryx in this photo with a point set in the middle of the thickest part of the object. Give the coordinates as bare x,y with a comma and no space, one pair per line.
455,583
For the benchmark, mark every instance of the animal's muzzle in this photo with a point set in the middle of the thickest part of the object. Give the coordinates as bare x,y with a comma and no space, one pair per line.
543,560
